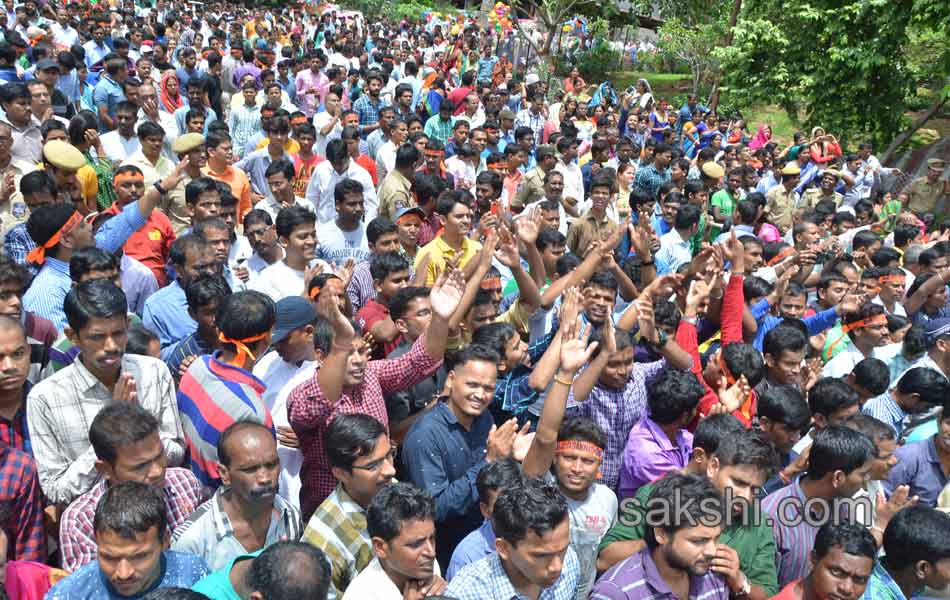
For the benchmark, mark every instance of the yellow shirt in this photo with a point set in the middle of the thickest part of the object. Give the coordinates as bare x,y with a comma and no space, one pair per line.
516,316
438,251
291,147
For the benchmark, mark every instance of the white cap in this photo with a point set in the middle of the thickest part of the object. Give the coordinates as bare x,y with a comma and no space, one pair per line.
531,79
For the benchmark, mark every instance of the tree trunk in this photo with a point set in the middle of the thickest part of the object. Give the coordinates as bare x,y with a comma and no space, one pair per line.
548,40
921,120
733,19
483,12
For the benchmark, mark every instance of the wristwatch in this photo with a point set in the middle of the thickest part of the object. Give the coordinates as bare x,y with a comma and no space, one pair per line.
746,587
661,339
161,190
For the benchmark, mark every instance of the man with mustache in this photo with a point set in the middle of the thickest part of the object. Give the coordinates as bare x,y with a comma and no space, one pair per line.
246,514
678,558
841,565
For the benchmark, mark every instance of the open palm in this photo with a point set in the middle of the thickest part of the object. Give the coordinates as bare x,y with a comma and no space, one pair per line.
447,293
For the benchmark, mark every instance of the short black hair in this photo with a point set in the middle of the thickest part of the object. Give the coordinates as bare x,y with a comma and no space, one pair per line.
748,448
351,436
189,242
498,475
838,448
875,429
86,260
291,218
784,404
713,429
377,227
138,340
290,571
932,386
245,314
394,505
119,424
677,489
130,508
582,429
830,395
784,338
675,393
917,533
205,290
743,359
535,507
11,271
96,299
199,186
852,538
873,375
400,302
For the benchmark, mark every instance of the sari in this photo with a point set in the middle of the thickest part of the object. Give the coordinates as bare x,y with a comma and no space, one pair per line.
105,193
762,136
166,102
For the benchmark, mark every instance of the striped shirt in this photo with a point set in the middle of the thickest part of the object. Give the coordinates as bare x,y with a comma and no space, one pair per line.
212,396
881,586
637,578
338,527
884,408
20,491
486,579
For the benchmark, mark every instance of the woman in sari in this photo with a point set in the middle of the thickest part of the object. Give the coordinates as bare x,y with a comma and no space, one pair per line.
659,121
824,148
762,137
641,101
170,98
95,178
574,83
692,132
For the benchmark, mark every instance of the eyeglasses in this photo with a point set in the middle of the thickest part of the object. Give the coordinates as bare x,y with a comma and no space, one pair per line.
376,465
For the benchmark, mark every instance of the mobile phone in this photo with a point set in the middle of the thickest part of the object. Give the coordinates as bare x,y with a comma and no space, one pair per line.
494,207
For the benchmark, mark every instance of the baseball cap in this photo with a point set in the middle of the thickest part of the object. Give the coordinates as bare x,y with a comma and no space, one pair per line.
293,312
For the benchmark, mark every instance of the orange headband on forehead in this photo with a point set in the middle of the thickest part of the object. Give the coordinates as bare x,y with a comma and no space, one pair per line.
435,153
869,322
781,256
298,120
496,166
315,292
892,279
406,217
127,176
582,446
38,255
490,283
243,352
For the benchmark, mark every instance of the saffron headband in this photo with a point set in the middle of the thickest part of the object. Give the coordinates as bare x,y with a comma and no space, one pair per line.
869,322
243,352
490,283
892,279
127,176
781,256
38,255
582,446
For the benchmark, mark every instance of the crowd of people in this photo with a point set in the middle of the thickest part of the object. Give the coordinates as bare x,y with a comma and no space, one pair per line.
297,305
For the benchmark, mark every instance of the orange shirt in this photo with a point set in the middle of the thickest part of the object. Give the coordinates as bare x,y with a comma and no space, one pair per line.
151,244
240,187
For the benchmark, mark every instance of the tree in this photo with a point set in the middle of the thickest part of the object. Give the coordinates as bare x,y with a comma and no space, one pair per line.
837,64
692,45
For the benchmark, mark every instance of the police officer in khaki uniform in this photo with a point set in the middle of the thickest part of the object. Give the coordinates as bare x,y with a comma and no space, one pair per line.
924,193
782,200
532,188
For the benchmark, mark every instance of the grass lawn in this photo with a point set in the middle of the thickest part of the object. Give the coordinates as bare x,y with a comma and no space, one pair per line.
782,127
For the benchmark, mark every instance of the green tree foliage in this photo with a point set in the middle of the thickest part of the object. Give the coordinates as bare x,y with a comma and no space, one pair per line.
841,65
692,45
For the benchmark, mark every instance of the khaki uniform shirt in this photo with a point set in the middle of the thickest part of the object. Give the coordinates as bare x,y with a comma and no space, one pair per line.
813,196
532,189
586,230
394,195
923,195
13,210
780,207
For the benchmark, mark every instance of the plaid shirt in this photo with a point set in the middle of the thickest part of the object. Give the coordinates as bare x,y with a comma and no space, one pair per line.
20,490
17,243
62,408
650,180
486,579
361,290
338,527
367,112
310,413
535,122
15,433
182,492
616,412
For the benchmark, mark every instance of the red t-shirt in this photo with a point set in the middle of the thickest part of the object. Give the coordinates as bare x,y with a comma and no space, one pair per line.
372,313
151,244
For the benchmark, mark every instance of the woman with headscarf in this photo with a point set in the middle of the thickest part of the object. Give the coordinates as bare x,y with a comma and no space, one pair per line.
641,102
170,98
762,136
824,148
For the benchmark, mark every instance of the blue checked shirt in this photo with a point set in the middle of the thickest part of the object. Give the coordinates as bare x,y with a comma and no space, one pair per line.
512,391
17,244
367,111
884,408
486,579
650,180
46,294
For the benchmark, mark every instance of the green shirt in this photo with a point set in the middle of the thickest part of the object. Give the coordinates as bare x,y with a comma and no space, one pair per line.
217,585
727,205
754,544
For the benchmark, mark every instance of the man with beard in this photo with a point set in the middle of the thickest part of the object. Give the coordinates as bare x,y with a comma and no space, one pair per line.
401,524
841,565
745,553
125,439
246,514
680,556
262,236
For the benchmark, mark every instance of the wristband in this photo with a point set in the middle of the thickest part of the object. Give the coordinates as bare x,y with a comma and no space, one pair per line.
647,263
160,189
566,382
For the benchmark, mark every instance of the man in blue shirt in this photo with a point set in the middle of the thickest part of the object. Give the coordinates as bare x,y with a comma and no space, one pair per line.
109,92
920,464
449,444
691,107
131,534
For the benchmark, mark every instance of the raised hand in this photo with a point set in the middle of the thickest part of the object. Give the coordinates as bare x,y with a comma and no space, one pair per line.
447,293
328,308
507,250
345,272
575,351
570,308
529,226
124,390
522,442
733,397
500,440
645,318
885,510
697,295
851,303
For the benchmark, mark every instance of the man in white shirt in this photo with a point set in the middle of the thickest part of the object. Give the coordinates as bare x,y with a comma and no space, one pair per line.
327,123
386,156
401,523
121,143
327,174
297,234
64,34
345,237
573,178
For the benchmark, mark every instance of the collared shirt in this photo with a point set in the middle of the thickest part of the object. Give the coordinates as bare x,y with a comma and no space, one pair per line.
62,407
674,252
338,528
473,547
924,194
77,537
573,180
138,283
191,345
178,570
753,543
14,211
305,81
255,165
166,315
208,532
95,52
535,122
310,413
650,180
179,114
243,122
918,466
616,412
108,93
781,204
638,578
17,243
395,194
27,142
15,432
444,458
218,584
240,185
118,148
441,130
323,182
151,244
649,455
881,586
212,396
374,582
368,111
153,173
884,408
531,190
794,534
439,252
20,490
486,579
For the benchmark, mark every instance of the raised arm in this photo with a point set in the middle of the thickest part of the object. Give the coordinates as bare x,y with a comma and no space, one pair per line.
331,374
528,227
445,297
507,254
